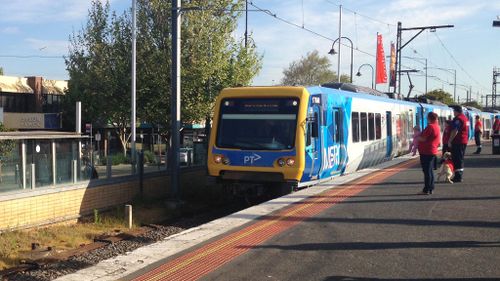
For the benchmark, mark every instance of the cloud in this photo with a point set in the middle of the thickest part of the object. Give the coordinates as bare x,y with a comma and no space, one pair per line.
43,11
9,30
282,43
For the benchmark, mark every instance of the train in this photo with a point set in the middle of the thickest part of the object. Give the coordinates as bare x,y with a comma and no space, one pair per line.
288,137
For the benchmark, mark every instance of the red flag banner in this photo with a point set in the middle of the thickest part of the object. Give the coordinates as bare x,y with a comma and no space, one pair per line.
381,75
392,82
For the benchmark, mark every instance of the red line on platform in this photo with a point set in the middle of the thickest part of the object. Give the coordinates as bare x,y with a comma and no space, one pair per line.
206,259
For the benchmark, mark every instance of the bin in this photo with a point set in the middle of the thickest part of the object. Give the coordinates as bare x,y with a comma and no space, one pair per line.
495,144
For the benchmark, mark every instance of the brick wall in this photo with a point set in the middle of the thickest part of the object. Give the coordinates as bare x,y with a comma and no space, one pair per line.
68,203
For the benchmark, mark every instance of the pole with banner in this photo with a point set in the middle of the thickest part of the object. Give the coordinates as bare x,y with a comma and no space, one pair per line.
381,72
392,67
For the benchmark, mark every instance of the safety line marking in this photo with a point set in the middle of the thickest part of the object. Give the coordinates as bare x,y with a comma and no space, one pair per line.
195,264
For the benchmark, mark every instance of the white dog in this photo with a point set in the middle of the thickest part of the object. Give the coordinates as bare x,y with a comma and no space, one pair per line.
446,168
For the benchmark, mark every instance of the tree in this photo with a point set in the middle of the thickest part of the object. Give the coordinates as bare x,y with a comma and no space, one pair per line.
312,69
440,95
100,61
1,70
6,148
99,66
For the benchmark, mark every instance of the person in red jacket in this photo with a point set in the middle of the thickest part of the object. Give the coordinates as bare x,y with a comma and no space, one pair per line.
458,141
428,143
478,132
496,125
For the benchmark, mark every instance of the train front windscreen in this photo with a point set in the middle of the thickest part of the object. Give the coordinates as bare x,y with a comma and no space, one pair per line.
257,123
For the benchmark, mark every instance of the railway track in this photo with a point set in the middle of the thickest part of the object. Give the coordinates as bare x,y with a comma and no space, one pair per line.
48,263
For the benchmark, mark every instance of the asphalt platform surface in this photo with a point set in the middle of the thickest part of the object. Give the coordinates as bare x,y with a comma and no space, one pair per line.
388,232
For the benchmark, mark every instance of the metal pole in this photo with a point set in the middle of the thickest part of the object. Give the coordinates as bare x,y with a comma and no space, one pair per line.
340,35
426,76
78,117
176,95
454,85
54,166
246,23
23,163
398,61
352,56
132,123
374,86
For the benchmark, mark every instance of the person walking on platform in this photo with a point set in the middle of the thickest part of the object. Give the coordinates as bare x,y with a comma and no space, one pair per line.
458,141
478,132
496,125
428,143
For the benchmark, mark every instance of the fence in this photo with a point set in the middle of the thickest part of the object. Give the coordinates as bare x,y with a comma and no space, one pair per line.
44,160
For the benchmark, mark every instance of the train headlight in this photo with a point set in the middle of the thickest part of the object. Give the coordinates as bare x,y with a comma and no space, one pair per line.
218,159
281,162
290,161
225,161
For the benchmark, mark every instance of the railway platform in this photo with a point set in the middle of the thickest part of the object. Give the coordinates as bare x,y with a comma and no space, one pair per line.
370,225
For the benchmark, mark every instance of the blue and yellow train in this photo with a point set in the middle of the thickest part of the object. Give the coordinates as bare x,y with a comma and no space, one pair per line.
290,137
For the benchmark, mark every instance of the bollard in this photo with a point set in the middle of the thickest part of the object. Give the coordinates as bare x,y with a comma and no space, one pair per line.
128,215
108,166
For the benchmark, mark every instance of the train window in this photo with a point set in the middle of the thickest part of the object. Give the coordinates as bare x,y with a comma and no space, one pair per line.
371,126
364,127
308,134
378,126
355,126
338,125
257,123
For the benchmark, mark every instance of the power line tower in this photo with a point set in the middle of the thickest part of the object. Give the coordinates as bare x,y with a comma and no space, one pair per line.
496,73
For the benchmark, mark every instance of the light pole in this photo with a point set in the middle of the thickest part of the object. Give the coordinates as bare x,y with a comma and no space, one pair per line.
454,72
333,52
373,72
400,46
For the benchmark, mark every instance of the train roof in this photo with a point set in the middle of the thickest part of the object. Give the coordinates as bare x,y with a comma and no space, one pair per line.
355,89
361,95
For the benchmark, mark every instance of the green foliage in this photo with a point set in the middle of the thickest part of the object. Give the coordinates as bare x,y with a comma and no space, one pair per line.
312,69
6,146
149,157
99,63
440,95
1,70
118,159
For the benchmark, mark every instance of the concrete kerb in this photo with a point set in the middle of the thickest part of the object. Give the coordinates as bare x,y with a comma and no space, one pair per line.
123,265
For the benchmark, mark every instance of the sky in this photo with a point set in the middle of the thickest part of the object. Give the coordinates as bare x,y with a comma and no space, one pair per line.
34,38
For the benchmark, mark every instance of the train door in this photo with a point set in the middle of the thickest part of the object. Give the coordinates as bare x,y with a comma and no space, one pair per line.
313,141
388,118
334,155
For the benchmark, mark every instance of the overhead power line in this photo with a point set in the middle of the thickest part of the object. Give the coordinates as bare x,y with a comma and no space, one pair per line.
458,63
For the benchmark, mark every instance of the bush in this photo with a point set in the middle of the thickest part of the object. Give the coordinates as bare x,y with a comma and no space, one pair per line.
119,158
149,157
116,159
